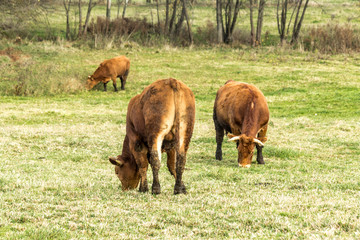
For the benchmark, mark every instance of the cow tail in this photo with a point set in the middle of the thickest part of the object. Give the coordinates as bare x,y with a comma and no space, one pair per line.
175,86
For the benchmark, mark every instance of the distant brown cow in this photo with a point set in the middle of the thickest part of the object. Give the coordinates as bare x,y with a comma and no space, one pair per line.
110,69
242,110
161,118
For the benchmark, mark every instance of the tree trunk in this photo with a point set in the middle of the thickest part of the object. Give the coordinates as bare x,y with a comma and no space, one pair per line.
172,20
166,15
188,22
282,21
219,22
260,21
179,23
91,5
80,20
108,6
297,27
67,5
118,2
125,6
252,34
157,12
231,20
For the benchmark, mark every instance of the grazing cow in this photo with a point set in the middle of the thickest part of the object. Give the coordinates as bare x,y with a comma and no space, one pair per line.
117,67
241,109
159,119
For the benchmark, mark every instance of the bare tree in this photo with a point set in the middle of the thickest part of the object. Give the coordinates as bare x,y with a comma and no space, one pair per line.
108,6
281,21
179,13
172,19
260,21
297,24
166,15
219,22
187,22
67,4
90,7
124,10
252,34
80,19
119,2
229,19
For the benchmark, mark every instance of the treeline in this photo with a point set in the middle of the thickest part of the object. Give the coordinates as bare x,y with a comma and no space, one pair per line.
172,23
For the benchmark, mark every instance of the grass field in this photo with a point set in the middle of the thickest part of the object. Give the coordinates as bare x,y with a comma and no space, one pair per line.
56,181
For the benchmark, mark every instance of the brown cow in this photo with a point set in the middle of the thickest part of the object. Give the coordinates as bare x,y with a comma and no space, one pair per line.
242,110
117,67
159,119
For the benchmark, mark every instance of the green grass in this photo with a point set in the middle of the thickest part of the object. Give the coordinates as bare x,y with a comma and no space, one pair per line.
55,139
56,181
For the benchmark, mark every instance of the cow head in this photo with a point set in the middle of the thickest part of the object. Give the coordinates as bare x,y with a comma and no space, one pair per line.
127,172
90,82
245,146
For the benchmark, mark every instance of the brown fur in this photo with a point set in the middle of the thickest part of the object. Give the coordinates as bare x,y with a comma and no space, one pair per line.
161,117
242,110
110,69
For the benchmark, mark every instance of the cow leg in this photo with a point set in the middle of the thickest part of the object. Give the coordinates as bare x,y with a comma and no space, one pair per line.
155,141
123,81
184,135
155,166
219,140
105,87
171,161
143,178
180,166
114,84
259,156
261,137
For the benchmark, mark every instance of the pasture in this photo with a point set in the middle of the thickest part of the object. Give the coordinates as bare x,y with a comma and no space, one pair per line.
56,181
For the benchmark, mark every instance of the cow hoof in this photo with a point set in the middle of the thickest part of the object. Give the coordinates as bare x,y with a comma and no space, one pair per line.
180,190
218,156
143,189
155,190
260,161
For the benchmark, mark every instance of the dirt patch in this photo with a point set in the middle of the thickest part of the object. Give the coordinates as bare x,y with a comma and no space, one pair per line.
13,54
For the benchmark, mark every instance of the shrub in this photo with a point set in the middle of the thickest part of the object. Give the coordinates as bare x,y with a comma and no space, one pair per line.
332,38
119,30
22,76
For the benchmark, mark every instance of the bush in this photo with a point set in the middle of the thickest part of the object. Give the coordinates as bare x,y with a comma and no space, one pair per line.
332,38
22,76
119,30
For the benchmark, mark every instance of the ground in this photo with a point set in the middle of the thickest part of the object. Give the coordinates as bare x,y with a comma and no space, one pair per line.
56,181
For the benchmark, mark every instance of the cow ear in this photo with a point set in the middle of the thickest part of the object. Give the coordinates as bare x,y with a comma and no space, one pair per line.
116,161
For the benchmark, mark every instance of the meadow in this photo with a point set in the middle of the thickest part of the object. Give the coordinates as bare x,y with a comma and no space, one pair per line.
56,181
